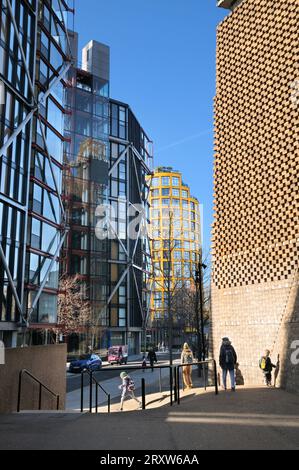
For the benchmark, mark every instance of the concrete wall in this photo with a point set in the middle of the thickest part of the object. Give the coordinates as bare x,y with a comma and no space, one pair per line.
47,363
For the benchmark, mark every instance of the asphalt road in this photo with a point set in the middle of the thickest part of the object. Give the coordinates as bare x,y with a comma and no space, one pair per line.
73,381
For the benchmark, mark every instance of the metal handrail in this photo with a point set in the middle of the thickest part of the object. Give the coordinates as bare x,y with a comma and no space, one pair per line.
41,387
92,379
198,363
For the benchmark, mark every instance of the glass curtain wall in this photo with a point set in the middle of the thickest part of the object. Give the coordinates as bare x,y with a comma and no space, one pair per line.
85,188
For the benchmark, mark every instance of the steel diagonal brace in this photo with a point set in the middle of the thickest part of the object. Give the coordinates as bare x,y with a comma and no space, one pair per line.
11,283
42,286
138,294
66,30
115,290
55,82
137,179
146,168
21,50
16,132
124,152
51,167
116,234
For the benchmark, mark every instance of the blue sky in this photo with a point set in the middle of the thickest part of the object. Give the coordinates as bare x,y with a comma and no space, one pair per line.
163,66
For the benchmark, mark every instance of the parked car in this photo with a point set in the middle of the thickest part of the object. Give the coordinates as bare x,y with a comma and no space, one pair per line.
118,355
90,362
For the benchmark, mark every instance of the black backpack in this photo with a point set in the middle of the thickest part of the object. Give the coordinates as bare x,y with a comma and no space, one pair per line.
229,356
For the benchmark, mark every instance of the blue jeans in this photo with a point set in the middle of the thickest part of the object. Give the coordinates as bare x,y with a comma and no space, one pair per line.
232,377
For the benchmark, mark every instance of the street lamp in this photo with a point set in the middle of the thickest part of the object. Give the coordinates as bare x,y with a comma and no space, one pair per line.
201,348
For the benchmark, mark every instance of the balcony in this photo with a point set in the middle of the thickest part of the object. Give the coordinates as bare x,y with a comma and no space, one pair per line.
229,4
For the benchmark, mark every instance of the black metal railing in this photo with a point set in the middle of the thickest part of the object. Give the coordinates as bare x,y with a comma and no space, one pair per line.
174,382
41,388
93,380
202,364
143,388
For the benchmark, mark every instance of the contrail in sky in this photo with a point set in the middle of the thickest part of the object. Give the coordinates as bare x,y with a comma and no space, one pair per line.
182,141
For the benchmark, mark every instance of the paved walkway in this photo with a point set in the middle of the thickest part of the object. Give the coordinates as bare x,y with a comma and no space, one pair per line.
252,418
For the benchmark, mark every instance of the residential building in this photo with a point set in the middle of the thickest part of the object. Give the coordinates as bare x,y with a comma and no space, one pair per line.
256,232
34,60
175,244
107,158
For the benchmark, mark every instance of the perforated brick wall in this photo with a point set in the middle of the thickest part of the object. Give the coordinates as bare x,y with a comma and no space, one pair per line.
256,228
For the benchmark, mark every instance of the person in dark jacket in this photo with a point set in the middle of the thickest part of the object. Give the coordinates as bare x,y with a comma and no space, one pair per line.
152,358
266,366
227,361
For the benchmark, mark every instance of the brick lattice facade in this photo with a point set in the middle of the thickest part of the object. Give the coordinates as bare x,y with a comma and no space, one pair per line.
256,231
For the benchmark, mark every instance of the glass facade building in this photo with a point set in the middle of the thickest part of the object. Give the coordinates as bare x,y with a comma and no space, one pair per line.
85,188
131,160
34,60
107,159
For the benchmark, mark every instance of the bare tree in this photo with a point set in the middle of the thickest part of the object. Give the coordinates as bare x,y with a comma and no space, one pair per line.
74,311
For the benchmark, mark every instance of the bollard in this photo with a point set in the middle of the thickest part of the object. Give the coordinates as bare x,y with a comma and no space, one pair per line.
171,386
90,392
160,380
143,393
216,378
82,391
178,386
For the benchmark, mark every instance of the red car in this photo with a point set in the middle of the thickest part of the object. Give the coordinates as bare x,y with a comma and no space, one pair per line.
118,355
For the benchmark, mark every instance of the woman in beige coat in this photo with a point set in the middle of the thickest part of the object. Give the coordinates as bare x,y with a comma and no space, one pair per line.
188,359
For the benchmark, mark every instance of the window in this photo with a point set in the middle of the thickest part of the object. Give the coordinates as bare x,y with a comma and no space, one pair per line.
155,214
165,180
122,317
165,202
155,192
175,181
122,295
184,193
176,192
155,182
165,192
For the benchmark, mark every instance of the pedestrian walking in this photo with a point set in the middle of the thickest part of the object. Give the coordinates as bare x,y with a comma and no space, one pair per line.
127,390
228,361
152,357
144,364
266,366
188,359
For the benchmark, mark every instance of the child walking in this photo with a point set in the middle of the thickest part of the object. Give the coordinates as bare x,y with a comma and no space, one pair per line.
127,390
266,366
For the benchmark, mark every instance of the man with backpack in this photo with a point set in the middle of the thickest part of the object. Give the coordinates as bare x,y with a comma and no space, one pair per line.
227,361
127,389
266,366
